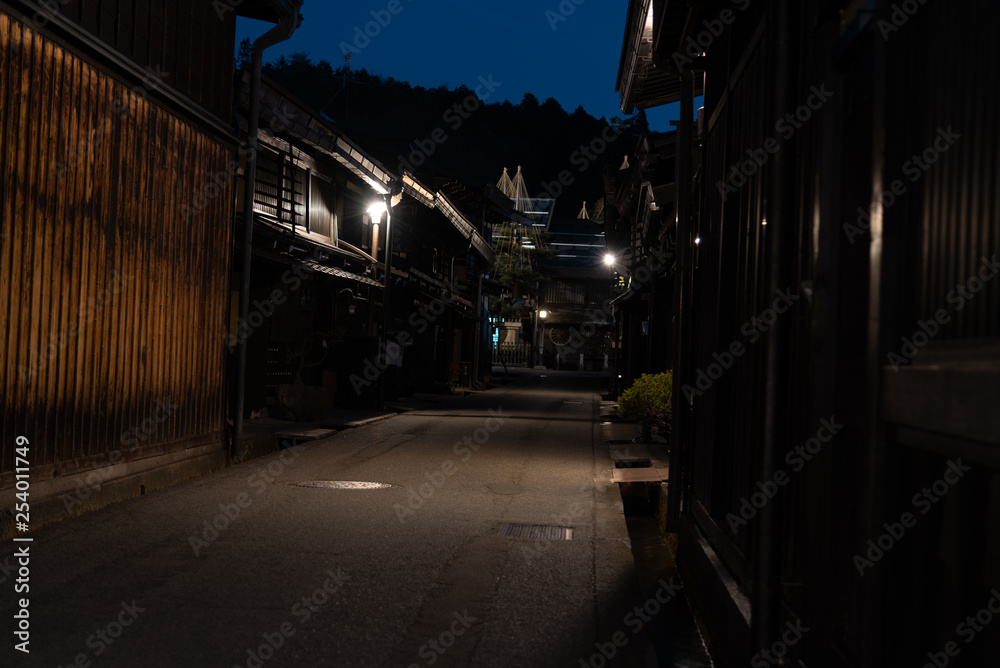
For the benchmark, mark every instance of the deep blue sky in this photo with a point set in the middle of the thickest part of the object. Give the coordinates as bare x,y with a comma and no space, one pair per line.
437,42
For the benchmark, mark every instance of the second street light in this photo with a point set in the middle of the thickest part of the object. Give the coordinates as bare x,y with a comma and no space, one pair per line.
612,262
540,316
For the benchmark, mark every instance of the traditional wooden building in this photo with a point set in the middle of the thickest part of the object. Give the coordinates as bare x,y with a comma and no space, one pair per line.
836,345
576,332
116,185
317,333
642,244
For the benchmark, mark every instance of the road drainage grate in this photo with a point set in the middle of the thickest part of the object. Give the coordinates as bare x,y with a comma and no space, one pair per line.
537,532
340,484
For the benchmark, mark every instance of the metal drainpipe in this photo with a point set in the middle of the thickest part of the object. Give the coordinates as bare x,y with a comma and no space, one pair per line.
766,594
477,342
279,33
680,456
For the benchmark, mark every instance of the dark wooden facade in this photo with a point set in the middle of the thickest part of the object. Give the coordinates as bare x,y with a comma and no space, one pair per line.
639,206
876,216
577,332
314,185
189,42
112,293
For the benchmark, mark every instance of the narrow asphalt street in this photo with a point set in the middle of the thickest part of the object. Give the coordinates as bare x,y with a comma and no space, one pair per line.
239,568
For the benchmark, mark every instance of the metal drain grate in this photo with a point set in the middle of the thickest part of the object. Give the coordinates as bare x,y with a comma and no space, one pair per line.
537,532
340,484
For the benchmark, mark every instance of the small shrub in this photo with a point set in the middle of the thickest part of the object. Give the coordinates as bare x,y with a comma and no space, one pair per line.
650,400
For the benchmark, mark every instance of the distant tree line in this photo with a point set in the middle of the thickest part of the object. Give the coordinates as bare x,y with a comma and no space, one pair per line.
464,132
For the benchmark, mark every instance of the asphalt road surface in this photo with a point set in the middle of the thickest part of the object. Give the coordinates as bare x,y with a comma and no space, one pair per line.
239,568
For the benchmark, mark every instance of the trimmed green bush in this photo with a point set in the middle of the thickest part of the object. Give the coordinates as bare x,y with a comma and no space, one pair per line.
650,400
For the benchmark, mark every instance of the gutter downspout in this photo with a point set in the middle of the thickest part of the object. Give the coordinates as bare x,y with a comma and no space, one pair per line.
477,341
681,450
767,576
279,33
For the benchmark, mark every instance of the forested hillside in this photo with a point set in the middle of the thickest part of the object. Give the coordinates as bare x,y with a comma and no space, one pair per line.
466,132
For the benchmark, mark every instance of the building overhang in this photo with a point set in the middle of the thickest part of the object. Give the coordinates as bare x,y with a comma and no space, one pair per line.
264,10
440,201
648,74
280,109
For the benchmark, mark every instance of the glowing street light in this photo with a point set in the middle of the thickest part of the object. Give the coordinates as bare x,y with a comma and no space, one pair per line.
539,337
375,210
609,259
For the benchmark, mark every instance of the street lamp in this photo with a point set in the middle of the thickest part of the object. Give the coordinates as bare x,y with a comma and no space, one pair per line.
539,336
375,210
611,261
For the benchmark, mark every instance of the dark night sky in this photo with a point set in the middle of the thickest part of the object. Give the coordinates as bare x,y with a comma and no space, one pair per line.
437,42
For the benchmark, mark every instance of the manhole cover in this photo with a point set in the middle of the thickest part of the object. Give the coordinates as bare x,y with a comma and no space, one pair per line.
340,484
537,532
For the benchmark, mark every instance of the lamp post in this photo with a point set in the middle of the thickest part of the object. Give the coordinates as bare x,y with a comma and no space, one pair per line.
375,211
540,335
611,261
